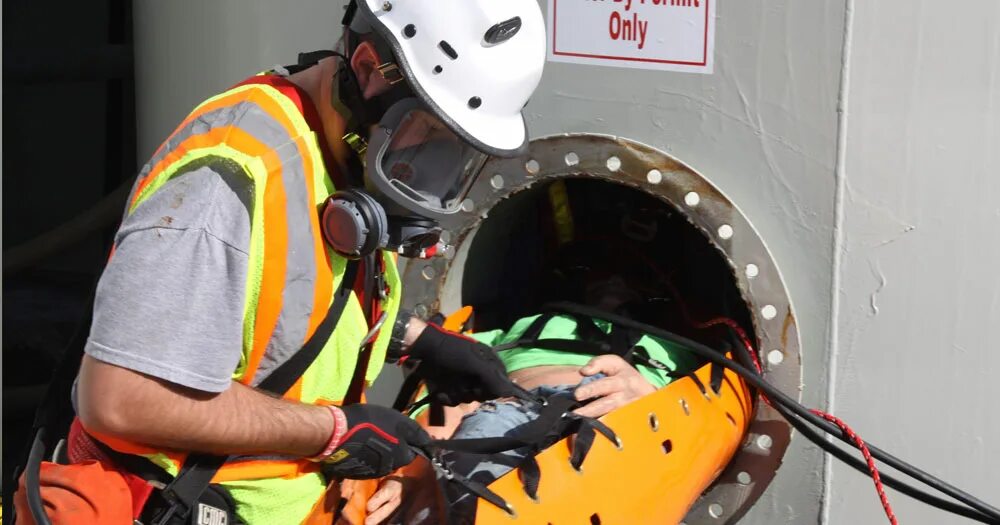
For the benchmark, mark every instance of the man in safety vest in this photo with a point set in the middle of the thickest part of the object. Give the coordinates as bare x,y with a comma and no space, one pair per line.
270,216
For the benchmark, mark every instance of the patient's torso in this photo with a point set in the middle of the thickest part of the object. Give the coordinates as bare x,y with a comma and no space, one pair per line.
548,375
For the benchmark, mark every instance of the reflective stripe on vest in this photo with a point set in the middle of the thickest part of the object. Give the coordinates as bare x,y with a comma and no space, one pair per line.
258,128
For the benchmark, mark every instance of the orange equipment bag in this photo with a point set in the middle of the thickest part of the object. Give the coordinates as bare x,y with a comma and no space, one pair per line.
89,490
88,493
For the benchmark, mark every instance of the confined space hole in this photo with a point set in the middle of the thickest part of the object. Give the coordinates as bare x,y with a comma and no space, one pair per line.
731,418
532,167
668,446
468,206
752,270
775,357
654,422
410,31
595,519
764,441
475,102
497,182
725,232
654,176
743,478
438,70
428,272
692,199
685,407
769,312
614,163
448,50
715,510
572,159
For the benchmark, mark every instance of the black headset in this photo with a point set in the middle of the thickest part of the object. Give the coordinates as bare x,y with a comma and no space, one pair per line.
354,224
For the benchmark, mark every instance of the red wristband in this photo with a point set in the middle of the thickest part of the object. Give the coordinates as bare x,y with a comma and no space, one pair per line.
339,429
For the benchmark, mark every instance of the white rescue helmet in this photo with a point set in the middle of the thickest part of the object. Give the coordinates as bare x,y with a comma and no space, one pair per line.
474,63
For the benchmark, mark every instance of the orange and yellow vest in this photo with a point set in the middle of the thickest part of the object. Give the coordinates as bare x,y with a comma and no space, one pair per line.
268,130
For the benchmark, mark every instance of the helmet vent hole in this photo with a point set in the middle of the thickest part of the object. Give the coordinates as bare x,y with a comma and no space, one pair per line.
448,50
410,31
475,102
438,70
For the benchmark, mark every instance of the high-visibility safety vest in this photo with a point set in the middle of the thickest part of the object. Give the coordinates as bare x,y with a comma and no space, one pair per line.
267,130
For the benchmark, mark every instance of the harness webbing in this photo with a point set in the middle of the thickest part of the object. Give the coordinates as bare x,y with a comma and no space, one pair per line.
183,492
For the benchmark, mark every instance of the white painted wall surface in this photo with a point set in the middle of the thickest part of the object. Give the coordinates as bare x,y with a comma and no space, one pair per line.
189,50
918,350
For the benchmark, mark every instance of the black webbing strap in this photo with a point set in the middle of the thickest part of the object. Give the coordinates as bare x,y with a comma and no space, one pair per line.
531,476
529,336
373,290
198,470
591,339
555,421
717,372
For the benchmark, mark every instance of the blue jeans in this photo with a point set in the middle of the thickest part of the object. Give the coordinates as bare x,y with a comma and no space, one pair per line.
494,419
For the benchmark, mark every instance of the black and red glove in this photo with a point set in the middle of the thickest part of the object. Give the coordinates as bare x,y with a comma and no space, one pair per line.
458,369
378,441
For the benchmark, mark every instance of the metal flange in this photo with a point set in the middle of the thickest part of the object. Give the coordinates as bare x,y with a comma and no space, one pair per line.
435,285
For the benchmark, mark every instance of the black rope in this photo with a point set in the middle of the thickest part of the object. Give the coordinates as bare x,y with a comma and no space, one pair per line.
779,397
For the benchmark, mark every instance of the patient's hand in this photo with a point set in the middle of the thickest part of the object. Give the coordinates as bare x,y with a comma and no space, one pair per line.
623,385
385,501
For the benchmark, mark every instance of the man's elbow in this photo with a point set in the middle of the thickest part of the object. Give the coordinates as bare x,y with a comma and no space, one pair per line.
106,400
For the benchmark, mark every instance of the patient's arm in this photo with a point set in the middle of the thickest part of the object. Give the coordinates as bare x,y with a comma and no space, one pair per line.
623,385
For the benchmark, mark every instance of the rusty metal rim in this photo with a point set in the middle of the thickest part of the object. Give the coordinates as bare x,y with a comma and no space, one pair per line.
436,285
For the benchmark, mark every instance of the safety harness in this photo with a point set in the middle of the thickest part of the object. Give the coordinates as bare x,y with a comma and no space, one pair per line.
556,418
180,495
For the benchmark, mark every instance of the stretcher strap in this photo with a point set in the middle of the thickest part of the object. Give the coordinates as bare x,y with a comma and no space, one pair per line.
555,421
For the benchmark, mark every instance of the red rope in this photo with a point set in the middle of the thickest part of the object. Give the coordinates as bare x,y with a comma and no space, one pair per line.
860,444
737,329
847,430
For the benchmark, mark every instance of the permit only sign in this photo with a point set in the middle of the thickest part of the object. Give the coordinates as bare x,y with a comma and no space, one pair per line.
670,35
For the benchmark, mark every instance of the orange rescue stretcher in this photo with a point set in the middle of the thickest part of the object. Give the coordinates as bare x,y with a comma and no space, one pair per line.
674,444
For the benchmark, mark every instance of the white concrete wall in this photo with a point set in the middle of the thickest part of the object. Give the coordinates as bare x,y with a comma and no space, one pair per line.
920,249
189,50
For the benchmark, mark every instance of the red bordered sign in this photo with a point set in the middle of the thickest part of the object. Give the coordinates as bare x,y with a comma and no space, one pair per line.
672,35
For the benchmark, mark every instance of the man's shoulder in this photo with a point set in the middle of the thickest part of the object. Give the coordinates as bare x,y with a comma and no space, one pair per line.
259,105
232,133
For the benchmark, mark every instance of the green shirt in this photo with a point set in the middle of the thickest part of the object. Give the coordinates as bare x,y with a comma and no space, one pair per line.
674,356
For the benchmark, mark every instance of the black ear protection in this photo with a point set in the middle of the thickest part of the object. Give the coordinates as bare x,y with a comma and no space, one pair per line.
354,224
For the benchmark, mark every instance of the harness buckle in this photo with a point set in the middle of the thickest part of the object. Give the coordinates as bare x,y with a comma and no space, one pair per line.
356,143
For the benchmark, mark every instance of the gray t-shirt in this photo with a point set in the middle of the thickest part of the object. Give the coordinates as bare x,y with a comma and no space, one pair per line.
170,302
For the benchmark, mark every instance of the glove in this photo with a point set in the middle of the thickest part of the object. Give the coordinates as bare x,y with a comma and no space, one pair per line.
460,370
377,442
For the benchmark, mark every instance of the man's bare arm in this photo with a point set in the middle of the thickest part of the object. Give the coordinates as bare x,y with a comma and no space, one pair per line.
128,405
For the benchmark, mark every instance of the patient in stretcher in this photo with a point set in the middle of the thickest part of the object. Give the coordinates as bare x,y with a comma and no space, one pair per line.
596,382
633,366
